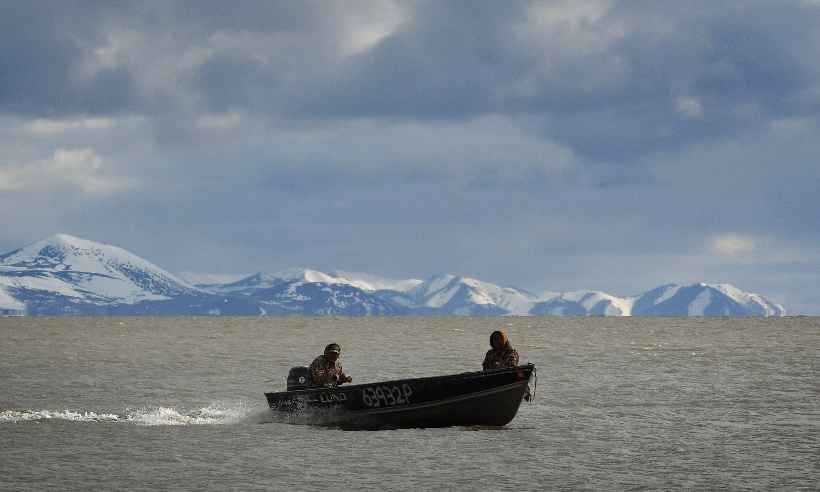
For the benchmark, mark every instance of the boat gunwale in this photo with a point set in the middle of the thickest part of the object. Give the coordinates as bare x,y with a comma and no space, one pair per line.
529,367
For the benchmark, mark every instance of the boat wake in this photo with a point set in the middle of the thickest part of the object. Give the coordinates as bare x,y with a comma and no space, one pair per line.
216,414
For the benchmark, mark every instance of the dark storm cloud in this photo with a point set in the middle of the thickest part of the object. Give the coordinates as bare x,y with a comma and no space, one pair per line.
231,81
626,82
433,67
268,15
620,83
48,51
625,98
42,45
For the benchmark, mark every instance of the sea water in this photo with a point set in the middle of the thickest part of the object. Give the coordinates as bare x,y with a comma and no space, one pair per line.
177,403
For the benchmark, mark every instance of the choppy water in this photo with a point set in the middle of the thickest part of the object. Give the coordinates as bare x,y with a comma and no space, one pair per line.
177,403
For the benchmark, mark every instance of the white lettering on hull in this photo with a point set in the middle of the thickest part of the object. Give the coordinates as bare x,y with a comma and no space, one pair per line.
387,395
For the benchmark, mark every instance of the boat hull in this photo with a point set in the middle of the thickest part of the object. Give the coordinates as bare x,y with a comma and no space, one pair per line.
487,398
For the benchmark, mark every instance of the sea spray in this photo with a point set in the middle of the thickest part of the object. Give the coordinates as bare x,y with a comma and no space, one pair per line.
209,415
214,414
14,416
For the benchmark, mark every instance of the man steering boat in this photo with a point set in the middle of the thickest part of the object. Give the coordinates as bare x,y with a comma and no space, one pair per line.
326,370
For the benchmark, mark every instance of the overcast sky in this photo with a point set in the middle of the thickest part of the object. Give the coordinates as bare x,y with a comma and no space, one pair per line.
548,145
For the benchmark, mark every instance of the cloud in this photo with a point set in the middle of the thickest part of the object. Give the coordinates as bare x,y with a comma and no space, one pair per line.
369,27
611,81
732,245
690,107
50,126
81,169
224,121
42,48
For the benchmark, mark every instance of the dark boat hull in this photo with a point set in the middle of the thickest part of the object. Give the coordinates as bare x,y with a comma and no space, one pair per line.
487,398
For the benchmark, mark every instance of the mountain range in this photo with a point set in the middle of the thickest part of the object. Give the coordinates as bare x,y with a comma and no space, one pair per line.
64,274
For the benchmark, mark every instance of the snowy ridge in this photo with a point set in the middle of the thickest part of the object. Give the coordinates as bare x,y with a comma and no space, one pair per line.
582,303
702,299
253,282
77,268
513,300
465,295
308,276
68,275
363,281
374,282
668,292
302,276
749,299
594,302
436,291
12,278
65,252
9,304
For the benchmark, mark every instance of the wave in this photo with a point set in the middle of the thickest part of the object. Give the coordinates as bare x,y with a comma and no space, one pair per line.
215,414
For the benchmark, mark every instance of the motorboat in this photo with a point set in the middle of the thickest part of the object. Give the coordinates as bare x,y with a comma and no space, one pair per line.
483,398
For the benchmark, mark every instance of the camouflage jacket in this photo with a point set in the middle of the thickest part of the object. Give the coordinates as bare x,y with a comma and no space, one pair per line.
497,359
323,372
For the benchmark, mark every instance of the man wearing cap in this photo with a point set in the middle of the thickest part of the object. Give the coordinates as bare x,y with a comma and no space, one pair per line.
326,369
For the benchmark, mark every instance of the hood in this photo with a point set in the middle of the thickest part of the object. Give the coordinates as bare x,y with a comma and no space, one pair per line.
505,341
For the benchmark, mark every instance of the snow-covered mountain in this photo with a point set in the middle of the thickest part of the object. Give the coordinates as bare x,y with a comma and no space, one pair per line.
455,295
698,299
63,274
369,282
67,274
67,269
247,285
308,276
703,300
319,298
307,291
583,303
365,282
451,294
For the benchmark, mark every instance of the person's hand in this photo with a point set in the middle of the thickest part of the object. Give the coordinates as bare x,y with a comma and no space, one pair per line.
347,379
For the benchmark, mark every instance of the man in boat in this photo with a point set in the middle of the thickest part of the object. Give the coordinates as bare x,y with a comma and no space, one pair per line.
326,369
501,354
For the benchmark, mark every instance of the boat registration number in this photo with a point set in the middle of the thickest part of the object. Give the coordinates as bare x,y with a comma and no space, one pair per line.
387,395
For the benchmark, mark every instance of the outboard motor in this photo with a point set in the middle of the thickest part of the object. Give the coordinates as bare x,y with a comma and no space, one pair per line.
298,378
